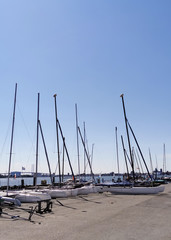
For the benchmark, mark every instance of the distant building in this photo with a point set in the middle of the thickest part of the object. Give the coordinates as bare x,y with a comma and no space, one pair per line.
16,174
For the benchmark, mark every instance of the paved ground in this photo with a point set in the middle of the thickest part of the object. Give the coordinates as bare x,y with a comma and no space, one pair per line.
97,216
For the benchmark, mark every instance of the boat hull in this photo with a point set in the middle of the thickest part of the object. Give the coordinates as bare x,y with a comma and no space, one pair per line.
61,193
8,200
30,196
88,189
135,190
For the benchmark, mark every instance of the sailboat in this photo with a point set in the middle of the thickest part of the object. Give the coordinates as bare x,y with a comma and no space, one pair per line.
135,187
23,195
61,191
75,188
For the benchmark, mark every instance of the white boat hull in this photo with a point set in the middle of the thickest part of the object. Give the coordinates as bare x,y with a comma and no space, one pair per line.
8,200
30,196
135,190
61,193
27,198
87,190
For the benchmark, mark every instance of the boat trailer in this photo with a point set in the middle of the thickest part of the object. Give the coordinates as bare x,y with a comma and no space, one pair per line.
38,209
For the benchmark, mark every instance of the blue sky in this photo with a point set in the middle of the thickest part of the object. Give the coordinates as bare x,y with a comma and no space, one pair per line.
89,53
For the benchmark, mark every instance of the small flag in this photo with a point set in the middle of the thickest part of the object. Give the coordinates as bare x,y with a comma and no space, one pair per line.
23,168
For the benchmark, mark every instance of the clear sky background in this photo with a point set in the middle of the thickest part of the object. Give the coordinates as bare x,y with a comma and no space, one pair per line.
89,53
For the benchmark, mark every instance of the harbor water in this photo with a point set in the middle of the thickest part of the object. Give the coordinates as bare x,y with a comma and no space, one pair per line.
29,180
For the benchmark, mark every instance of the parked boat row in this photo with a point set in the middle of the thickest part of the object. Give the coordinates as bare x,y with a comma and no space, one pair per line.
33,196
73,188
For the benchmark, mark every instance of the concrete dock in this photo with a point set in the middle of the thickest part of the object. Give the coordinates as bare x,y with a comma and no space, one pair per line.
95,216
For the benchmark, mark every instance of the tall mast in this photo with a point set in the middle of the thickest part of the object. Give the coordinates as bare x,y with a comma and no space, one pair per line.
84,151
63,154
41,131
60,129
117,149
57,135
77,141
126,124
151,164
164,159
125,156
92,154
12,134
156,167
37,143
87,155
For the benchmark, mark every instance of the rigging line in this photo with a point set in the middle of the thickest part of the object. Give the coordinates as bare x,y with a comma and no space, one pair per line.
7,134
151,163
138,167
87,148
87,155
41,131
117,155
57,164
128,138
139,150
32,149
142,171
24,123
66,150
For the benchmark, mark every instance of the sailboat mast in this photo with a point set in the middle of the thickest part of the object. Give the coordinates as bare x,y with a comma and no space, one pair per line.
92,154
84,151
164,159
50,173
12,134
37,142
125,156
87,155
60,129
77,141
151,162
117,149
63,155
126,124
57,135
